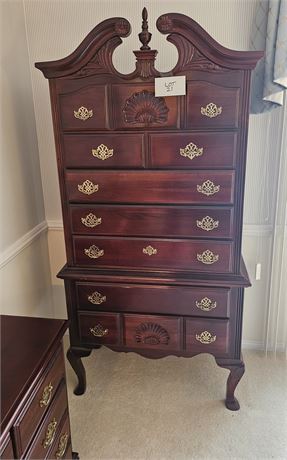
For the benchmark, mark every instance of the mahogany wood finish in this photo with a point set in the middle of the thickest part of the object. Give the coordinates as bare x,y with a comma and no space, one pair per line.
33,388
152,196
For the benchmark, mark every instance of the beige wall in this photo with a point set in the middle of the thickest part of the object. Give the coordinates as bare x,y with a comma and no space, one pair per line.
55,28
24,264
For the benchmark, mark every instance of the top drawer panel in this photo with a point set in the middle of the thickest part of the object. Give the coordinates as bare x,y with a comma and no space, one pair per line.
212,106
84,109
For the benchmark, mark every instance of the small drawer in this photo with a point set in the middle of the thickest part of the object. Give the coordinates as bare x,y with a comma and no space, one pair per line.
178,187
212,106
191,301
152,332
84,108
199,255
30,418
61,445
99,328
50,428
193,150
6,448
104,151
171,221
207,336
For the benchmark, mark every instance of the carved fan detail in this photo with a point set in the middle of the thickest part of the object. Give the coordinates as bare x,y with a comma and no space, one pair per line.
151,334
145,108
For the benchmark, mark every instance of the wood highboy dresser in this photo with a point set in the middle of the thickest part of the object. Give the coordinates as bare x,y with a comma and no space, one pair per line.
152,196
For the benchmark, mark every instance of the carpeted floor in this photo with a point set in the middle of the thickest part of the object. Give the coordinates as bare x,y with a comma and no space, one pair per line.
172,408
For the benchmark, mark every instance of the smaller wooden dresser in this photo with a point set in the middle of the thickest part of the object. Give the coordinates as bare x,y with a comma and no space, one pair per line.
34,407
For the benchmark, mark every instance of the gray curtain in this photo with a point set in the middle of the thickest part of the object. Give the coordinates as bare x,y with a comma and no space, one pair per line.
269,80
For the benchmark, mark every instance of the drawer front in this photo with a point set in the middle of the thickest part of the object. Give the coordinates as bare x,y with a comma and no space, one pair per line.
158,299
50,428
151,187
60,447
102,328
204,256
41,401
201,222
193,150
211,106
104,151
152,332
207,336
84,109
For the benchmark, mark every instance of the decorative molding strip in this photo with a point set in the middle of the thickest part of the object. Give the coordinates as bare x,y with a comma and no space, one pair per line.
12,251
55,225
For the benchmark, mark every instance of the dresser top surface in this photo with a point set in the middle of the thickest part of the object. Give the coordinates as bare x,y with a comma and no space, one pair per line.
25,344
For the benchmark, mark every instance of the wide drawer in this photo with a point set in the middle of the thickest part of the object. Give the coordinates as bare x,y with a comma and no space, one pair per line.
171,221
210,105
152,332
204,256
104,151
61,445
193,150
30,418
159,299
200,187
84,108
48,432
207,336
102,328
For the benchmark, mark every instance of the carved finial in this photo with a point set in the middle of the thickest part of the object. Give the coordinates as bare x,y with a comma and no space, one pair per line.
145,35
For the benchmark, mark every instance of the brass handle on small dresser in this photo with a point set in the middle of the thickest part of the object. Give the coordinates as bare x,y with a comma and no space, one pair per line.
149,251
208,188
62,446
191,151
83,113
207,223
102,152
99,331
46,395
96,298
88,187
50,433
206,304
211,110
91,220
207,257
205,337
94,252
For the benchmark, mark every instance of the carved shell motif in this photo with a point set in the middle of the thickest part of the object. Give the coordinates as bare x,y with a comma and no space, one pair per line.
145,108
151,334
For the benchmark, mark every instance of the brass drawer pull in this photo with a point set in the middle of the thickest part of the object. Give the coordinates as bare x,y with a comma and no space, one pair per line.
207,223
208,188
191,151
83,113
50,433
91,220
87,187
207,257
205,337
99,331
46,396
211,110
62,446
102,152
206,304
96,298
150,251
94,252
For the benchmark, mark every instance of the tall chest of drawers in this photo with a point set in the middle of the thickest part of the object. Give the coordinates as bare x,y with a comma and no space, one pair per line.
152,196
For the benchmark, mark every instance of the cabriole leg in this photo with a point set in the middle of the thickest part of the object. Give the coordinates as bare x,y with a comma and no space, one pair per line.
236,373
74,356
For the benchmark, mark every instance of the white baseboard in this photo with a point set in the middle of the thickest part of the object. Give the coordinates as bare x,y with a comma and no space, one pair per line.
14,249
259,346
